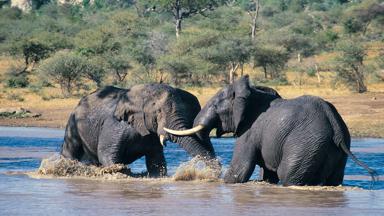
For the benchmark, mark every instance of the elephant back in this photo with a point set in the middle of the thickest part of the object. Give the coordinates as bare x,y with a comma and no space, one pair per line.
91,112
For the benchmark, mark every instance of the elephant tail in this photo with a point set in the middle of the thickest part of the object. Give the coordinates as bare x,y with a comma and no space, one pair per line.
342,138
372,172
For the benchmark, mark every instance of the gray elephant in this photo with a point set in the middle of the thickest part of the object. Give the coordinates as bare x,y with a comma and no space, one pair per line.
114,125
301,141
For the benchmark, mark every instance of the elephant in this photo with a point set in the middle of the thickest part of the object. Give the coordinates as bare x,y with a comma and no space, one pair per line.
300,141
114,125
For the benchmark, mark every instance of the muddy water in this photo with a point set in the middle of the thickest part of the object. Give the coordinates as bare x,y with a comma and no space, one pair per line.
22,149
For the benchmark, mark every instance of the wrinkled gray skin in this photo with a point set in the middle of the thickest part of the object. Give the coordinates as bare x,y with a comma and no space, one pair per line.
114,125
301,141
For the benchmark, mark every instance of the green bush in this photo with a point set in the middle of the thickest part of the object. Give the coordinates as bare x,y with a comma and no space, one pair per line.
352,25
10,13
20,81
64,68
272,60
326,39
350,66
69,69
16,78
311,71
119,66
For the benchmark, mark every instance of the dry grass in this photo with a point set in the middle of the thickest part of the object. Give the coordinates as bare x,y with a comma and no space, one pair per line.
55,112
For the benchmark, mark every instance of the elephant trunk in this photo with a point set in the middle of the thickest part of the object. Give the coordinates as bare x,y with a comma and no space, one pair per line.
194,147
209,119
191,143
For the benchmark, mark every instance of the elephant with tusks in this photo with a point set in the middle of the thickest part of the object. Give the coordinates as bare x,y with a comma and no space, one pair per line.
300,141
114,125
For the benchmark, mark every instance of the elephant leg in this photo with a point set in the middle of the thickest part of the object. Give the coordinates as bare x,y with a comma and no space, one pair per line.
337,175
243,161
156,164
114,140
73,146
270,176
108,152
303,163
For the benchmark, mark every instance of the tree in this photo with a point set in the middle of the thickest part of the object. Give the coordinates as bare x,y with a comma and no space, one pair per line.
97,41
190,59
371,12
93,69
36,4
272,61
180,67
252,7
119,65
350,67
182,9
231,54
32,51
37,46
352,25
68,70
361,17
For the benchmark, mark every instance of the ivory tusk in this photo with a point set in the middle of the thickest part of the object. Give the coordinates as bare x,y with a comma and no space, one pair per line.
185,132
162,140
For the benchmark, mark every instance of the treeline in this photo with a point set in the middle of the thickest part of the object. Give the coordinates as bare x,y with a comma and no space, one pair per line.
195,42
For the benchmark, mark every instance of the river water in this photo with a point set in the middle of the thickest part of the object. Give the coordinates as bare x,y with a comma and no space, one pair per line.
22,149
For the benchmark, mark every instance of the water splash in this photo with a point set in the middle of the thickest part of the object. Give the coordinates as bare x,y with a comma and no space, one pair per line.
198,168
57,166
325,188
303,188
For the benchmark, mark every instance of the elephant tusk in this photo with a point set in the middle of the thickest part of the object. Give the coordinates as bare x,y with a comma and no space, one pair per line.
185,132
162,140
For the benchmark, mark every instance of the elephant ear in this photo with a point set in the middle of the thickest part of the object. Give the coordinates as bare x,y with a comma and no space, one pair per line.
242,93
132,113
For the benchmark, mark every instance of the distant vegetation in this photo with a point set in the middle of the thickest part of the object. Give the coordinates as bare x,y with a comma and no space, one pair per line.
197,42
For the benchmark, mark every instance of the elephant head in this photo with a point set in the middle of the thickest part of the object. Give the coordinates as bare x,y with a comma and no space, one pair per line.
156,108
233,109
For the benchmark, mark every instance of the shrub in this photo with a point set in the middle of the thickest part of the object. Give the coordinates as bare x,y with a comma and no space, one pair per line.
349,66
34,51
93,70
10,13
119,66
64,68
69,69
19,81
15,77
311,71
272,61
352,25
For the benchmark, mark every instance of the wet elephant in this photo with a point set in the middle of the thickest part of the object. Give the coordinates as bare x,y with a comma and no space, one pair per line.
115,125
301,141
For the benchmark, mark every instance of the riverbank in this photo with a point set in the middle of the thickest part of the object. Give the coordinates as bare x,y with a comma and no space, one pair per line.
363,113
